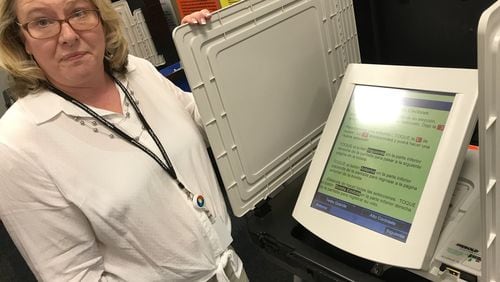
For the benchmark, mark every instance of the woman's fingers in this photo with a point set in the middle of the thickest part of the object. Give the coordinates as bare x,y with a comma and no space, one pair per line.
199,17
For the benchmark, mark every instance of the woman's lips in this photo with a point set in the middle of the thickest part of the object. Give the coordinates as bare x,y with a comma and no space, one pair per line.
72,56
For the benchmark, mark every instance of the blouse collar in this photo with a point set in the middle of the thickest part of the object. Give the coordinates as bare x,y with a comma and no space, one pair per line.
44,105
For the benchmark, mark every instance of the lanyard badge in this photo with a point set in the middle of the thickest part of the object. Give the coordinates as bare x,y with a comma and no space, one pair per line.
199,201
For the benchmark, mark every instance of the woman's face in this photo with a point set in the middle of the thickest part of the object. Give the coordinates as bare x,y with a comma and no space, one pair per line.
71,58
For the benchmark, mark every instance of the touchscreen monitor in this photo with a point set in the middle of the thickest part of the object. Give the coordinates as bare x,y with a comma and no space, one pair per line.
379,163
388,160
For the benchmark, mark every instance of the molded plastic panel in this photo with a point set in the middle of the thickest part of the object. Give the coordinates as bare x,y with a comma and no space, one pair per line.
488,65
264,75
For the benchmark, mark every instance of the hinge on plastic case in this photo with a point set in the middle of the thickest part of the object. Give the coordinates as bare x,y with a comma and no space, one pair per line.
262,208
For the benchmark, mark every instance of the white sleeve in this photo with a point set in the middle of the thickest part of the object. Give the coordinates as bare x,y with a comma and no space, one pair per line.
185,98
52,235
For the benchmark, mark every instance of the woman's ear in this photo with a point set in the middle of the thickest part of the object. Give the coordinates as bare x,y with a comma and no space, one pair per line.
27,49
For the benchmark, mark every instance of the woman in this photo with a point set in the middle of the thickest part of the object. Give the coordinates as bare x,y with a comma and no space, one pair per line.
104,174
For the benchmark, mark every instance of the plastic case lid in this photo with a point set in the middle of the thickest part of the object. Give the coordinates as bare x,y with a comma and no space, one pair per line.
489,109
264,75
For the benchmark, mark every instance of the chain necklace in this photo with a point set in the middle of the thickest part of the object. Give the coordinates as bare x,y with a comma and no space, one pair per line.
197,200
96,127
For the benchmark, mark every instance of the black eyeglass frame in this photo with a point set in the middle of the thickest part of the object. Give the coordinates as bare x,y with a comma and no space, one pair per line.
61,21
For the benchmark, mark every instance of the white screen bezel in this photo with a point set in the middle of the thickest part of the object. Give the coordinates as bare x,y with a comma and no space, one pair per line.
421,240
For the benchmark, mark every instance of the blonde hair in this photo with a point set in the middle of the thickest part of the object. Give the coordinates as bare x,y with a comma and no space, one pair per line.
26,76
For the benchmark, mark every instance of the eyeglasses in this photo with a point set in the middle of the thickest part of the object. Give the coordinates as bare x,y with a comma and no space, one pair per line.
43,28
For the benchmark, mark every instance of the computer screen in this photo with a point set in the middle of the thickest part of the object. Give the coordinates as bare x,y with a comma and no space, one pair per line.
381,157
388,160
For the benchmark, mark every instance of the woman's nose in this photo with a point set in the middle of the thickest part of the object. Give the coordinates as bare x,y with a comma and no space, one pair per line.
67,34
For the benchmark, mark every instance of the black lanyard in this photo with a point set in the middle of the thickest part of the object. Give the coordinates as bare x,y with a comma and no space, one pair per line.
167,165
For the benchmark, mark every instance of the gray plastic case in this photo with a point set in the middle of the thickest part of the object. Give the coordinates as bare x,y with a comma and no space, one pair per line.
488,63
264,75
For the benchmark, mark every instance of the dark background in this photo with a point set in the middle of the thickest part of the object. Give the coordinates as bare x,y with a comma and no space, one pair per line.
439,33
433,33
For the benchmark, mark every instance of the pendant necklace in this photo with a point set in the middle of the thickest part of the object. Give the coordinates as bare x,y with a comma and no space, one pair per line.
197,200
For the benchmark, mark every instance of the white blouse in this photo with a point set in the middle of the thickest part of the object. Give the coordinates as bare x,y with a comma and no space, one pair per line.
82,206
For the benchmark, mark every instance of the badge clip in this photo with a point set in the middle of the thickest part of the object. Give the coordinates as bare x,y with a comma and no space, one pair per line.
199,201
